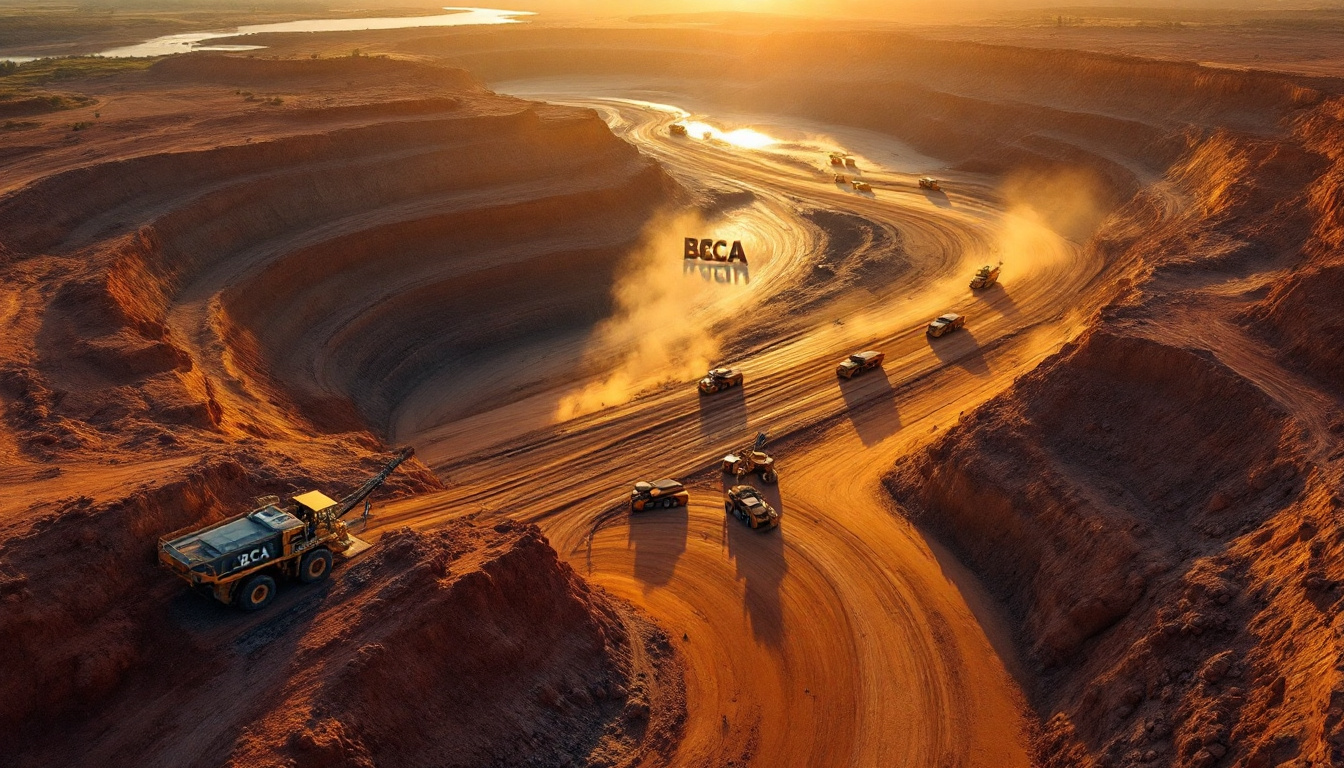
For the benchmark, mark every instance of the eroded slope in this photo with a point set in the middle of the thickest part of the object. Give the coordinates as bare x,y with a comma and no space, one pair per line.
1156,503
194,288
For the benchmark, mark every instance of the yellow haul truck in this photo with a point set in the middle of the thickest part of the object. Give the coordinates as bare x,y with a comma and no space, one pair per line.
239,560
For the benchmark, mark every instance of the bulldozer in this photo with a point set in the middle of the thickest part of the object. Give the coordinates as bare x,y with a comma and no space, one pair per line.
677,129
752,459
986,277
238,561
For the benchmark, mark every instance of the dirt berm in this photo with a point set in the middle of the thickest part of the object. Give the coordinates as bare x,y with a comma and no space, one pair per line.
470,645
1157,504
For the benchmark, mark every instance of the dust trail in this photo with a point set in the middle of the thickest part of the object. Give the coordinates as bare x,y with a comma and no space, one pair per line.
661,329
1042,205
1070,201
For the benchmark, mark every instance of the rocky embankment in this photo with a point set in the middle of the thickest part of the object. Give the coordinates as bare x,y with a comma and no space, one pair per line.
1157,505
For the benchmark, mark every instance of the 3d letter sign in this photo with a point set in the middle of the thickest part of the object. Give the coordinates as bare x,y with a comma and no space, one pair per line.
713,250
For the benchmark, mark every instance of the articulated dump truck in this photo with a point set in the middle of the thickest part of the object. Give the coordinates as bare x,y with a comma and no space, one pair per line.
238,561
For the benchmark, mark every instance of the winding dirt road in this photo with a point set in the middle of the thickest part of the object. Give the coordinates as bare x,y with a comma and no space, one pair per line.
841,639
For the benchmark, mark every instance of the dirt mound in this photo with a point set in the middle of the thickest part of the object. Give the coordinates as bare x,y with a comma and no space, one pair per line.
85,603
1155,503
1068,420
469,646
1298,313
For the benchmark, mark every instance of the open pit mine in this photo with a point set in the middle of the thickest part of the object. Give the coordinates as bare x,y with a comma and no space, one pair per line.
397,395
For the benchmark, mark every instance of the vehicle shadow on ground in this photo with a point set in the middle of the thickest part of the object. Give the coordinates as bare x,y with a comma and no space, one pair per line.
960,348
758,556
723,413
209,622
999,298
658,537
870,404
938,198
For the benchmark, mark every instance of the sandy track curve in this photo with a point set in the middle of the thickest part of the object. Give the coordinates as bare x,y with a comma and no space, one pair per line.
841,637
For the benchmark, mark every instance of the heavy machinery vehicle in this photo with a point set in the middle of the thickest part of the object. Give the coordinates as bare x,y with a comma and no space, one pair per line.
837,158
677,129
861,186
946,324
663,494
986,277
928,182
841,178
745,503
719,379
858,363
752,459
238,561
850,162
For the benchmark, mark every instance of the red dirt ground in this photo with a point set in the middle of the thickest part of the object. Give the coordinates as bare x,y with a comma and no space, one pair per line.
245,273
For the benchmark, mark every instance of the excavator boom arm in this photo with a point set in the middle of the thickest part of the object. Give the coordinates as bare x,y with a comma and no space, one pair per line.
348,503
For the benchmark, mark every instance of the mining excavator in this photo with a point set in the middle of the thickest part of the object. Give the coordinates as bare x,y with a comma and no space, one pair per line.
239,560
752,459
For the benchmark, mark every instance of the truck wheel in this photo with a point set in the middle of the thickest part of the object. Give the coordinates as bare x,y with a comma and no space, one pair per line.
728,507
256,593
315,566
770,476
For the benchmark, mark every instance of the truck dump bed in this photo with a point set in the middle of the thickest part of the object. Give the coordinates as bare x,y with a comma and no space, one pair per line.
233,544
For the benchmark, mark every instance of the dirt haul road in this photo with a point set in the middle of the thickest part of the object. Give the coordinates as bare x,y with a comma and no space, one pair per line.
839,639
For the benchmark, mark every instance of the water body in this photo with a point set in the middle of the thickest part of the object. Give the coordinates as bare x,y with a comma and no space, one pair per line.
193,41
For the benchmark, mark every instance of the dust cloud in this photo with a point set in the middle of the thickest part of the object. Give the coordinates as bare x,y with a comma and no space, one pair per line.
1041,207
1070,201
660,328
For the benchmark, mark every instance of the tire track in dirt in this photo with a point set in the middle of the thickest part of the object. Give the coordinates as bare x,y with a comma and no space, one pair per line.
816,639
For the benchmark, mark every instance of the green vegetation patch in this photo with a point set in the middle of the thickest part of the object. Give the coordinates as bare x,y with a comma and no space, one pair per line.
46,71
